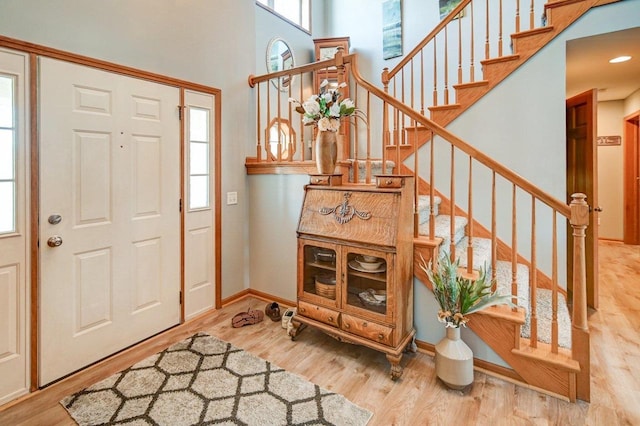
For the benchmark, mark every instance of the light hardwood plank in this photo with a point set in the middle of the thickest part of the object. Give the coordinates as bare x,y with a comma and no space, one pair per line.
361,374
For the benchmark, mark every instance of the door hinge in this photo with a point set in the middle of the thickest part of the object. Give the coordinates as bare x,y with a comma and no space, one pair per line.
180,205
180,107
180,297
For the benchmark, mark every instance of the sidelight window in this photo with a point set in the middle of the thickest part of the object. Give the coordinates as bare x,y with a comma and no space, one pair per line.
199,167
7,154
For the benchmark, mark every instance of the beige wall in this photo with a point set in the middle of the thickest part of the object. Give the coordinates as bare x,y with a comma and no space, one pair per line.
610,163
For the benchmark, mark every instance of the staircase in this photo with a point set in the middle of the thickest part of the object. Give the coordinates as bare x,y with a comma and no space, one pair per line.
540,353
553,374
546,346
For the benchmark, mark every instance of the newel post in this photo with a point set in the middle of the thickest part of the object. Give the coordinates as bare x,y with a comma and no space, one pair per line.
580,328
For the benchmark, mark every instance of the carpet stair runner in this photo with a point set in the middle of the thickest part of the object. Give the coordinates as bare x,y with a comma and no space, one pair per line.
482,258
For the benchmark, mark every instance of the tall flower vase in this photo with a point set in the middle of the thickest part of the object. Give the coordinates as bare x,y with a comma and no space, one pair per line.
326,151
454,360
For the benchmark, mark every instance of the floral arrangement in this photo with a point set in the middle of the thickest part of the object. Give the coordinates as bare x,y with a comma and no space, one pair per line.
458,296
324,110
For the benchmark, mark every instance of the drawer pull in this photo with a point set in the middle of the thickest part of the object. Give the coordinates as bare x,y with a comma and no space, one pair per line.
347,326
389,181
380,336
302,309
330,319
364,324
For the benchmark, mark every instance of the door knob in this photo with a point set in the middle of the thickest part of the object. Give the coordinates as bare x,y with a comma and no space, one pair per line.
598,209
54,241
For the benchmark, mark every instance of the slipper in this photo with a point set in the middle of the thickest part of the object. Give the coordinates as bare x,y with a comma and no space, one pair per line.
246,318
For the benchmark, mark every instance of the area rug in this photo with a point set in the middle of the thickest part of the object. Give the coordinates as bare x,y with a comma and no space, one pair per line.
206,381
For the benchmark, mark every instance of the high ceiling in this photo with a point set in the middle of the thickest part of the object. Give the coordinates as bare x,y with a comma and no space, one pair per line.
588,65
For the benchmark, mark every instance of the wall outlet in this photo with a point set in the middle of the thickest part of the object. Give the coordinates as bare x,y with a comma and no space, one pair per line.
232,198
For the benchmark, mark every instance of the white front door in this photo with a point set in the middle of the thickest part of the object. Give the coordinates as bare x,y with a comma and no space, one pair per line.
109,208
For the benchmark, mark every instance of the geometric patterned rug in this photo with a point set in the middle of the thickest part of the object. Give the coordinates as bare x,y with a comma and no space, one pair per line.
206,381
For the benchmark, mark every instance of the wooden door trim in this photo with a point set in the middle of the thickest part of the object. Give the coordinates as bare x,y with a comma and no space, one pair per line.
631,211
35,51
589,98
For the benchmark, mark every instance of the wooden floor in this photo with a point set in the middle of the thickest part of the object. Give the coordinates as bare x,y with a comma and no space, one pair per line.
418,398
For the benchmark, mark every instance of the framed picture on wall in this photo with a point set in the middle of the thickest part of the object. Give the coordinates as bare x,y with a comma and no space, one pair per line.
391,29
446,6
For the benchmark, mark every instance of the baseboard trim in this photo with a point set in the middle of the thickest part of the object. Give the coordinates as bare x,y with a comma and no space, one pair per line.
259,295
480,365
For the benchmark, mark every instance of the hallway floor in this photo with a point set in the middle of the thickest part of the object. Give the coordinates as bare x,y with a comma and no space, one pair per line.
418,398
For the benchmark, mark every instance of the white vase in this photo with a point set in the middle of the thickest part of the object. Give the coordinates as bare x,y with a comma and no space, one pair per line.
454,360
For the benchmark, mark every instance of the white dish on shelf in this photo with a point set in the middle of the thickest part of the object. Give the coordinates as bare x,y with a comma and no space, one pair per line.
358,267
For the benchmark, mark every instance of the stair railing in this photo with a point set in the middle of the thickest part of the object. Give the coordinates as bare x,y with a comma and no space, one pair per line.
522,221
450,54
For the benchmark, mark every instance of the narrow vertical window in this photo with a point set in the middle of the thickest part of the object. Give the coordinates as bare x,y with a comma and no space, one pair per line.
7,155
199,167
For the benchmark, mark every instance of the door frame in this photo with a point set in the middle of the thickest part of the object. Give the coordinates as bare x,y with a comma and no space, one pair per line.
631,185
589,152
35,51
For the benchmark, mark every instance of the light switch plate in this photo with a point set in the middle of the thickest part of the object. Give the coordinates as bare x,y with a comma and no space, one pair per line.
232,198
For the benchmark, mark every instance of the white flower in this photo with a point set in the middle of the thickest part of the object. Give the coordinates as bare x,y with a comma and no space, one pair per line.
324,109
328,124
347,103
334,110
311,107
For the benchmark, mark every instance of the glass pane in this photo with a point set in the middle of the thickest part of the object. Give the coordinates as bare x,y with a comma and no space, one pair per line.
320,271
289,9
7,207
199,158
6,155
6,101
199,124
367,282
198,192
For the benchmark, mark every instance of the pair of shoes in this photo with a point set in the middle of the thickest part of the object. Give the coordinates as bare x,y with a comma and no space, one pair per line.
247,318
273,311
286,317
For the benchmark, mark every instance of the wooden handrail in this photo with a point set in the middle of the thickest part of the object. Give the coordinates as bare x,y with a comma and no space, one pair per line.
477,155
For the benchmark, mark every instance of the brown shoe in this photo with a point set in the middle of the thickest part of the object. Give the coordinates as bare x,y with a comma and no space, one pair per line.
273,311
247,318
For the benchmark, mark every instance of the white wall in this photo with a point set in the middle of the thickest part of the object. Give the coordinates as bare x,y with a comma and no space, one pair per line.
632,103
610,171
206,42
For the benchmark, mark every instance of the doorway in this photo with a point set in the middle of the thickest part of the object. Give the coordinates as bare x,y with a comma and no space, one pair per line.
582,176
632,179
110,261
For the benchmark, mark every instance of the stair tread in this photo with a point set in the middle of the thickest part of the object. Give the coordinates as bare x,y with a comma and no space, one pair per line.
442,229
543,305
481,253
424,206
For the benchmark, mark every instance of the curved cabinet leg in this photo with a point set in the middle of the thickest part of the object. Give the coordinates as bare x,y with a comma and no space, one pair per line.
396,369
294,328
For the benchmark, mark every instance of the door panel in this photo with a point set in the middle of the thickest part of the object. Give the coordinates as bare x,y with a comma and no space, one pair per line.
110,167
582,176
14,229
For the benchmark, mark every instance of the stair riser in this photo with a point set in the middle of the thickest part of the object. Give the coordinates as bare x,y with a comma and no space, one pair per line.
562,16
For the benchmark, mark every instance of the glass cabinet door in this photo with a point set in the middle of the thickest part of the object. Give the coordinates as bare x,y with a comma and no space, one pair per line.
366,280
319,273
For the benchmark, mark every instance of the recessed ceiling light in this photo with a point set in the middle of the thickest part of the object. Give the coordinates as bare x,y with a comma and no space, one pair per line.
619,59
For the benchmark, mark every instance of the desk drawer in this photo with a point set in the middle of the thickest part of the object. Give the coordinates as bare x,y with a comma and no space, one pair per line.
318,313
367,329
